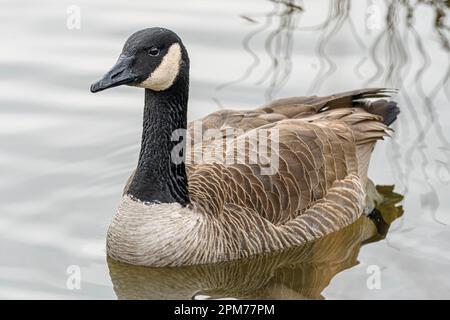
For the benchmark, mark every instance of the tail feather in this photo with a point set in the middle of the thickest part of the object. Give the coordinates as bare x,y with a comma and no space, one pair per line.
368,112
371,100
384,108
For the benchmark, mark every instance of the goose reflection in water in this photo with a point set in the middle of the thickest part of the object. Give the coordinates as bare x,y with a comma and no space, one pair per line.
299,273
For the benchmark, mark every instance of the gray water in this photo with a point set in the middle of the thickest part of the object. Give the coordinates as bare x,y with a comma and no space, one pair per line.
66,153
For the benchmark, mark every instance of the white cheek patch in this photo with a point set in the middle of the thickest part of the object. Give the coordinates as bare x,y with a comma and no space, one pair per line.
167,71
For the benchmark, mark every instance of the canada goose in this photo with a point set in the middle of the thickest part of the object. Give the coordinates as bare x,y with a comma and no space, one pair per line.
172,214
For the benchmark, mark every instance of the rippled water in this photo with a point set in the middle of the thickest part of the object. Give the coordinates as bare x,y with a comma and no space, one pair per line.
65,153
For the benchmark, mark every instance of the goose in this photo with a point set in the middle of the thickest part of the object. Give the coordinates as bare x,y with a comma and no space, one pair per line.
296,273
187,203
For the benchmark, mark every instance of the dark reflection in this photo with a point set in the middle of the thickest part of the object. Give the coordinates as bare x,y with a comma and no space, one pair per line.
298,273
403,38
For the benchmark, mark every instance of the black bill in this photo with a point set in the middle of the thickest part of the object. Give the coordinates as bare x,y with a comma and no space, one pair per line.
120,74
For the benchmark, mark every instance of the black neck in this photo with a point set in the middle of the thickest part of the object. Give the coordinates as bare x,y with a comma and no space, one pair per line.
158,178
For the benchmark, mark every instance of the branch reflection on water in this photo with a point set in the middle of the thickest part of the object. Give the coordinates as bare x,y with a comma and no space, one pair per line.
278,46
402,44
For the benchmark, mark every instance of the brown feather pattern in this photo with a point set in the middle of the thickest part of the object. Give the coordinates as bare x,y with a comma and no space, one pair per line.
325,145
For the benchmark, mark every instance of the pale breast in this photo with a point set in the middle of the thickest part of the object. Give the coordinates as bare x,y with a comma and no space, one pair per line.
153,234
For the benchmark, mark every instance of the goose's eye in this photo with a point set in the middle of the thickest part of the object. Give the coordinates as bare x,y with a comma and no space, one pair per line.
153,51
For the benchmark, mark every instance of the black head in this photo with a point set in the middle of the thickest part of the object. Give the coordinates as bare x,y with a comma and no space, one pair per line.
152,58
